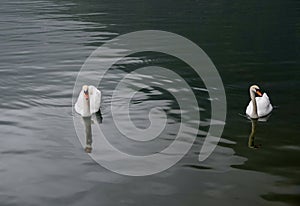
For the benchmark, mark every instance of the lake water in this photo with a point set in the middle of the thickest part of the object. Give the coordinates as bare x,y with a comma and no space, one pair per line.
43,46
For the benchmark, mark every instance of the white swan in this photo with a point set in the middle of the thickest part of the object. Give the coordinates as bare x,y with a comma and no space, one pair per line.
258,106
88,101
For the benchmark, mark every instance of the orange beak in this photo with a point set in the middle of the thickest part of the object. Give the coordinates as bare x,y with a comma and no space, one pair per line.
86,95
259,93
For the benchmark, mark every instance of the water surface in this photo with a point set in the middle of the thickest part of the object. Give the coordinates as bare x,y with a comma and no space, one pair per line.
44,44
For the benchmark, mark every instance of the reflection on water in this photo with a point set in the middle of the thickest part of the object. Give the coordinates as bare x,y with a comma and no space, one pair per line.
251,143
88,121
88,133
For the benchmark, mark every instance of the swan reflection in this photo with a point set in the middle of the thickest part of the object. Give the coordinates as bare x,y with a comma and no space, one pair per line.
251,143
88,121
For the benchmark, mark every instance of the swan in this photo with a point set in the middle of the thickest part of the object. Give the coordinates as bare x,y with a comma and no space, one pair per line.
258,106
88,101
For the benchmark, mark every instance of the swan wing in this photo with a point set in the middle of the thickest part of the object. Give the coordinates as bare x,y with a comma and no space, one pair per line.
95,99
264,106
79,104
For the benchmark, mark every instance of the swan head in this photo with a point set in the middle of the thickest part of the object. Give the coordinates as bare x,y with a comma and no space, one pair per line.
254,89
85,90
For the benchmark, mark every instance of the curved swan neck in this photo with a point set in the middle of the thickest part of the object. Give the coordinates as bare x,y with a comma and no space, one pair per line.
254,112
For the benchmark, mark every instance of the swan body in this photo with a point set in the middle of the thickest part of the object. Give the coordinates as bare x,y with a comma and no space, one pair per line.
88,101
258,106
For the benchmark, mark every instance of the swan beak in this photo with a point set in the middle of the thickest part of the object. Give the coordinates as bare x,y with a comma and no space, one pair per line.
86,95
258,93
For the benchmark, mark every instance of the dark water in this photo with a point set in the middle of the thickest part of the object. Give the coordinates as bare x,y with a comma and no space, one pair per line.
44,44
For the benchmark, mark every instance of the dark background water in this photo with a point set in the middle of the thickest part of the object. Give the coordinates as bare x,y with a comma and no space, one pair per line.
44,44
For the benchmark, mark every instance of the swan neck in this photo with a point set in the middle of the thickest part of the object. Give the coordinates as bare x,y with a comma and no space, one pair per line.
254,112
86,107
